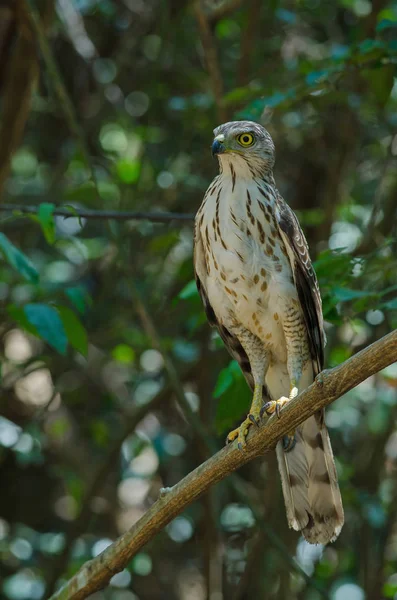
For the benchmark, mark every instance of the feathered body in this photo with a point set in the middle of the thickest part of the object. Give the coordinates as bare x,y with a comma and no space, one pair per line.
255,277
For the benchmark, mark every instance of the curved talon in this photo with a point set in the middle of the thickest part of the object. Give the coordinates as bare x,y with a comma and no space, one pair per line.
231,436
289,442
265,408
274,406
253,420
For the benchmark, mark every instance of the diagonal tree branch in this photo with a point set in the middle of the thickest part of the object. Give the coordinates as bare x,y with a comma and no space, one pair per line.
329,385
207,445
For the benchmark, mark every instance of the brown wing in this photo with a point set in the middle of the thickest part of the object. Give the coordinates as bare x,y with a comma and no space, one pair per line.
305,281
231,342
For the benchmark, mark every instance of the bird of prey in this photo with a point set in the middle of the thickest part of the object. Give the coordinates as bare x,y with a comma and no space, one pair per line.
259,289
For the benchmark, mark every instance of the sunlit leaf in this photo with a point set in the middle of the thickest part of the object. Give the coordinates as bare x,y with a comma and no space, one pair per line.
128,170
46,220
123,353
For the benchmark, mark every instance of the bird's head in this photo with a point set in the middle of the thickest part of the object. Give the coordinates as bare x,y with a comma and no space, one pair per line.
245,144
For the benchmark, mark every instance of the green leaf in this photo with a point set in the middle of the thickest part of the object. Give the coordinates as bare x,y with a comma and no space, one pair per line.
78,297
46,220
47,322
386,24
390,305
86,193
345,294
74,212
18,260
123,353
389,589
17,314
233,405
100,432
189,291
380,82
75,331
128,170
316,76
226,377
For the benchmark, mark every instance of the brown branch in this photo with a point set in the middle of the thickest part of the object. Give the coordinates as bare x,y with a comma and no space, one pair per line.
21,76
79,526
206,443
329,385
211,58
86,213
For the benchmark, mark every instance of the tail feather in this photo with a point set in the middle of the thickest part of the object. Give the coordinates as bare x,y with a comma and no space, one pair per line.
308,474
311,492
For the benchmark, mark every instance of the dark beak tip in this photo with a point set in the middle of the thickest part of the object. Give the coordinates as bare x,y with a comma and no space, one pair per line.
217,148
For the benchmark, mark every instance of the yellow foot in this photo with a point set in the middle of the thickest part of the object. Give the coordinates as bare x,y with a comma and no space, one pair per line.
241,432
274,406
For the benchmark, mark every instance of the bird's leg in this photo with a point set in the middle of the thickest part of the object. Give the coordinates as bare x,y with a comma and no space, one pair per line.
259,363
295,362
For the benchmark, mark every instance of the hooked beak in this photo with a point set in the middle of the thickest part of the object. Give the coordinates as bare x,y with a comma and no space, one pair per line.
218,146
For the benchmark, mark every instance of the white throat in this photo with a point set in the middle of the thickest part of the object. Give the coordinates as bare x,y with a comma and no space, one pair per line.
233,165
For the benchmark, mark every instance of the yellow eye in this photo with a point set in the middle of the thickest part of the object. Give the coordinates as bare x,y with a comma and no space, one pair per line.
245,139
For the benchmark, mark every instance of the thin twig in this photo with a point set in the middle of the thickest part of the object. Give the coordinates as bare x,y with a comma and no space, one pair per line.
329,385
86,213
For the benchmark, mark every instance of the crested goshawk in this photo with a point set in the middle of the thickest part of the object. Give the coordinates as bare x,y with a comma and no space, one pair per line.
259,289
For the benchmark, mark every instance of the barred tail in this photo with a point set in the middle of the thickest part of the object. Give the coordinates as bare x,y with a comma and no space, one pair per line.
310,486
308,474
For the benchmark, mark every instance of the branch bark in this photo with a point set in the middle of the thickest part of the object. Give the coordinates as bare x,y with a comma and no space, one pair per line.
329,385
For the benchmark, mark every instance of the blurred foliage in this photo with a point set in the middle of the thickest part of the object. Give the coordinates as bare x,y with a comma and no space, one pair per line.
114,110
